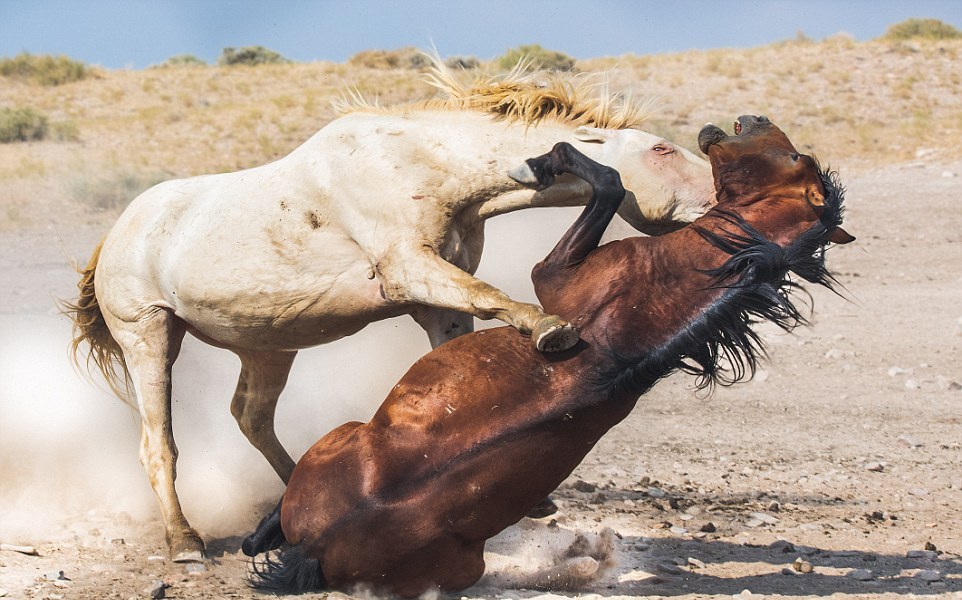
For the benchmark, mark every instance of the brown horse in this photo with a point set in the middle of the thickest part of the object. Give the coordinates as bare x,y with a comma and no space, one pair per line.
481,429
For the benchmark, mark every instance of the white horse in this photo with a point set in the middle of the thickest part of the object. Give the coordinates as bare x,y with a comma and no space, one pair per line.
381,213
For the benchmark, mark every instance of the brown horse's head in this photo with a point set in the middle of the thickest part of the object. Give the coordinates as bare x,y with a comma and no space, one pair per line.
760,163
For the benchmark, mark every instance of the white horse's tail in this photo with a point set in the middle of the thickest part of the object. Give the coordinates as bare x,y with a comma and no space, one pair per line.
89,326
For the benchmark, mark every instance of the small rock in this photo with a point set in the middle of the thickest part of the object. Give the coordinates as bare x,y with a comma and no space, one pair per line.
875,466
783,546
912,384
708,527
787,571
742,595
678,530
926,554
695,563
584,486
802,566
54,575
893,371
929,575
28,550
157,589
669,568
861,575
3,593
764,518
931,547
948,174
657,492
908,442
642,547
156,558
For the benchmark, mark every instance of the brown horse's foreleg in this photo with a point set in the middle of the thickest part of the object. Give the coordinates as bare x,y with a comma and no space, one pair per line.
262,379
607,193
150,345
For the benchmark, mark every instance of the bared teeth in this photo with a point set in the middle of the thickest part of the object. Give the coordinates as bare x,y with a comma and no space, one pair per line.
738,128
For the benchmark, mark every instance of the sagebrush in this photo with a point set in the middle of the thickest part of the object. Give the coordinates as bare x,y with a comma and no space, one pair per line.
43,69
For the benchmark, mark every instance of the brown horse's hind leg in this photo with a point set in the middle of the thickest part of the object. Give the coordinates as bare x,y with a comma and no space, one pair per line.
262,379
150,345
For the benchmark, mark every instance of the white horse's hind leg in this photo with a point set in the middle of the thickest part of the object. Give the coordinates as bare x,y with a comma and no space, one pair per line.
262,379
150,346
422,276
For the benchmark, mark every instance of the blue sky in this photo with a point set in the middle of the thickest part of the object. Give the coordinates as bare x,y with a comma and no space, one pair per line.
137,33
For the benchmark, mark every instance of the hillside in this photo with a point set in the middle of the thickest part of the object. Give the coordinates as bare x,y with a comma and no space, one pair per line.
856,105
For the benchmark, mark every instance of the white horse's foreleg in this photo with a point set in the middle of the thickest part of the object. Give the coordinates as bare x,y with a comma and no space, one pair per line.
442,324
150,346
422,276
262,379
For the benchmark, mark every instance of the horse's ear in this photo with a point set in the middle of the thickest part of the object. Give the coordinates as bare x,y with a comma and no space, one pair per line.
840,236
593,134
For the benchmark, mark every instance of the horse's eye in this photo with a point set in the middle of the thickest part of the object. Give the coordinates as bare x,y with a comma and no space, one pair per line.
662,149
794,156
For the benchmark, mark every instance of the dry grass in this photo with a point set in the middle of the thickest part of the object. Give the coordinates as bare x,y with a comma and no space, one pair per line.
855,104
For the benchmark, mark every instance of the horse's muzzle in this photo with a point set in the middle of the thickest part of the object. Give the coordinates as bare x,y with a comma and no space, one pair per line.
709,135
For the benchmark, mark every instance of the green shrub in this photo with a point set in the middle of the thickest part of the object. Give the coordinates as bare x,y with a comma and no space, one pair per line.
540,58
181,60
22,125
250,55
43,69
928,29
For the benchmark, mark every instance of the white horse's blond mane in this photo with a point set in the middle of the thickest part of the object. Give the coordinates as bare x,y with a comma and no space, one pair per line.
519,95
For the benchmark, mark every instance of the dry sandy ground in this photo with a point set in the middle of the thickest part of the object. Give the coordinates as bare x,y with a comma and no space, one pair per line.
842,457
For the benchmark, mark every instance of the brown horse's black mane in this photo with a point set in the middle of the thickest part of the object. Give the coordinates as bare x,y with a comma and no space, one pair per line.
758,287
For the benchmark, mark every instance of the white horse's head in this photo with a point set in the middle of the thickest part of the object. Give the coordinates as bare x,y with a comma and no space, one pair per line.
667,186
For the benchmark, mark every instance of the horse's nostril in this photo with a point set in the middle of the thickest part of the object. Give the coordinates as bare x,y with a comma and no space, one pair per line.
763,119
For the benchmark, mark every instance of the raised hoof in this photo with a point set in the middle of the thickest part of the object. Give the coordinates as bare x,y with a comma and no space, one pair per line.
545,508
554,334
189,549
524,175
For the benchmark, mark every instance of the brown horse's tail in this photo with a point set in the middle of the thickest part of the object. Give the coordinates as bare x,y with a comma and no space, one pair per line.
89,326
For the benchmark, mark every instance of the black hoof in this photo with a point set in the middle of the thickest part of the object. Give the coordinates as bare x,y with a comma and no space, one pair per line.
545,508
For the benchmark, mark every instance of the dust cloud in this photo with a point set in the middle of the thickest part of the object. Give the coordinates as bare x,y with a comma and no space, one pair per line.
67,447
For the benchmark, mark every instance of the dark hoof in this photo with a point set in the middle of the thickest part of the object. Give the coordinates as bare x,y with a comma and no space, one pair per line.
554,334
545,508
188,548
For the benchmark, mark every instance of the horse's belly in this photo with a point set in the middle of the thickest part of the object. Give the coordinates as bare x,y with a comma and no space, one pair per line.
286,311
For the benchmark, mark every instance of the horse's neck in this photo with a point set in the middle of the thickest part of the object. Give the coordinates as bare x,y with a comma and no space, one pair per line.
644,292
